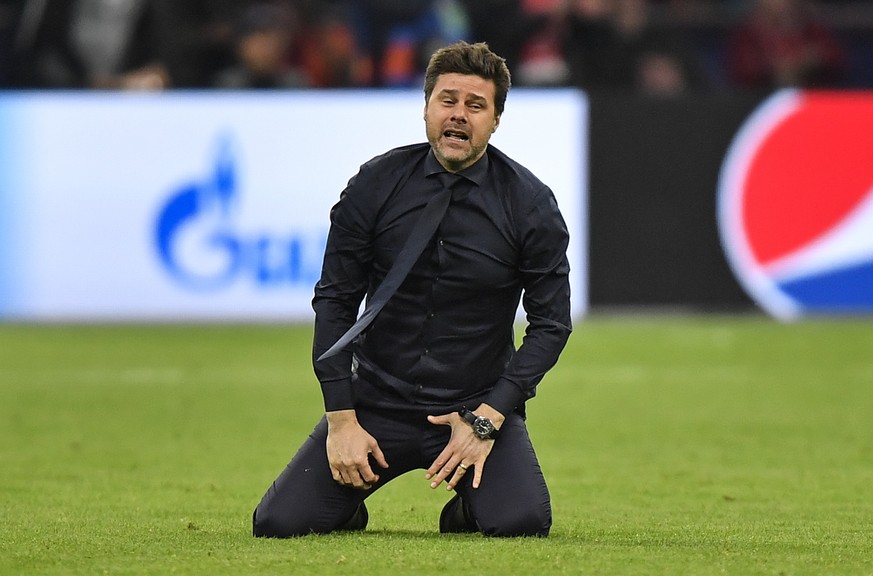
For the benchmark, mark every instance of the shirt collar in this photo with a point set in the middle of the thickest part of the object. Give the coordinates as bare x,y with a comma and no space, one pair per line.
475,173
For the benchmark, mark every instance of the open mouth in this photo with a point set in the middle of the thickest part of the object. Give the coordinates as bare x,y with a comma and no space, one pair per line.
456,135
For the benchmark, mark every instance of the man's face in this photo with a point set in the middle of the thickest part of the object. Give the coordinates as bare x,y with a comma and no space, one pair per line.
459,117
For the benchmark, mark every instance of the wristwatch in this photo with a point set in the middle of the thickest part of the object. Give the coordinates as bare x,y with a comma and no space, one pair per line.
483,428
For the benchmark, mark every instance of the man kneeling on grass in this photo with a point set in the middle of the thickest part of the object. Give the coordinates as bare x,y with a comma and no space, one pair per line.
443,238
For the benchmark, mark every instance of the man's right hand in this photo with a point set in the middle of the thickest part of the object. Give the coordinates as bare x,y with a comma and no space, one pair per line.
348,449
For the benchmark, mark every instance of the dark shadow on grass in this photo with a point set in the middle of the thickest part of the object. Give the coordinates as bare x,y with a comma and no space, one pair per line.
433,534
409,534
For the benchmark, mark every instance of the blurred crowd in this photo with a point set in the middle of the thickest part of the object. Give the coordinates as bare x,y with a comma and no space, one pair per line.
651,46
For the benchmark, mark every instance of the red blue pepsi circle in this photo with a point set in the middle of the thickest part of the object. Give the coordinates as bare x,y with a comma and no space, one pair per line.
795,206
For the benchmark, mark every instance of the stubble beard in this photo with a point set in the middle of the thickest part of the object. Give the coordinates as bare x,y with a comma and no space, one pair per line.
455,158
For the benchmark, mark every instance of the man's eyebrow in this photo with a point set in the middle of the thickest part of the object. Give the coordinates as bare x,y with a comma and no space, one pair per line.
453,92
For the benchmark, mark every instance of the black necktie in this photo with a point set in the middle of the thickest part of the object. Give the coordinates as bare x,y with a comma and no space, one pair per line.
421,234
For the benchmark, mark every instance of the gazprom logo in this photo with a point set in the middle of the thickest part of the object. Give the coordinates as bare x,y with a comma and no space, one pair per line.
202,246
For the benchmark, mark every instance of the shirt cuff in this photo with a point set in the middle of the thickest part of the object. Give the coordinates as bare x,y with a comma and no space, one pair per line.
505,397
338,395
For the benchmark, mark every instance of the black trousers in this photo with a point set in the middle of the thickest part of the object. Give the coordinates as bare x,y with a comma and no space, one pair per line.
512,499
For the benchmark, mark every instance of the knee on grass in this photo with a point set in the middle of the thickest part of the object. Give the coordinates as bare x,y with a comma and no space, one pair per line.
266,525
517,522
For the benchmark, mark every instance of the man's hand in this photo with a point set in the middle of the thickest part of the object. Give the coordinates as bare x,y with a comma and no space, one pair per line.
348,449
464,452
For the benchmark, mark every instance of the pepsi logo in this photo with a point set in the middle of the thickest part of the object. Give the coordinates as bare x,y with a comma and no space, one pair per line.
795,204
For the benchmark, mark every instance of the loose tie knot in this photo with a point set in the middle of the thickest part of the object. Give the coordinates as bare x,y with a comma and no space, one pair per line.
448,180
451,182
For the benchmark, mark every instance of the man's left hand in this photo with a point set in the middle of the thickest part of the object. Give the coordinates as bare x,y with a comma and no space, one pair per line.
465,452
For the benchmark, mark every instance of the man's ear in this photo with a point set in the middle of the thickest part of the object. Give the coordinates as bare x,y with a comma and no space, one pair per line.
496,124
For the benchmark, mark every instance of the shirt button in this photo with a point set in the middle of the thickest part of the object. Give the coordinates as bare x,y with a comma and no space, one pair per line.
426,351
441,243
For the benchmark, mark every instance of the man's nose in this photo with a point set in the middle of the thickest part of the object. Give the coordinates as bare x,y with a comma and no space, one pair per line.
459,114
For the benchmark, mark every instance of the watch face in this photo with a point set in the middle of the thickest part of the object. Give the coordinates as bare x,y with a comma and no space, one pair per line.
483,427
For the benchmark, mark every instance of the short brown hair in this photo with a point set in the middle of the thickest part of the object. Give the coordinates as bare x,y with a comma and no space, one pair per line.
476,59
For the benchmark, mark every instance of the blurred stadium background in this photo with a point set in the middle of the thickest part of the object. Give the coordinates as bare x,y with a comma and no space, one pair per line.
176,161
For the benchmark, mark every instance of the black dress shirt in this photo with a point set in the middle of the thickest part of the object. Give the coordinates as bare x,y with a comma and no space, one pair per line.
447,334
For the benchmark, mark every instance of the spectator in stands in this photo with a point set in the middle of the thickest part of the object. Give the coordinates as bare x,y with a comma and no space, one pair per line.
8,17
400,35
263,37
541,55
89,44
614,44
330,50
118,44
782,43
586,38
194,39
508,27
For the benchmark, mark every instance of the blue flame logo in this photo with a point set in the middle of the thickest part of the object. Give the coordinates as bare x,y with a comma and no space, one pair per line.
201,249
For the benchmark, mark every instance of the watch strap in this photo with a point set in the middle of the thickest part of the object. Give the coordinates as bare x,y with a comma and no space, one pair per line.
471,418
467,415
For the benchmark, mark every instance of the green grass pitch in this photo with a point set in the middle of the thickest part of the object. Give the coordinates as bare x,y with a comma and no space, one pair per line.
672,445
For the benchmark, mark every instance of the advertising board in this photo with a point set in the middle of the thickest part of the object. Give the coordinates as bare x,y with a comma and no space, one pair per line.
796,204
214,206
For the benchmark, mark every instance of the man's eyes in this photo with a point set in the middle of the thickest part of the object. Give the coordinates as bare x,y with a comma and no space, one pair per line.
472,105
